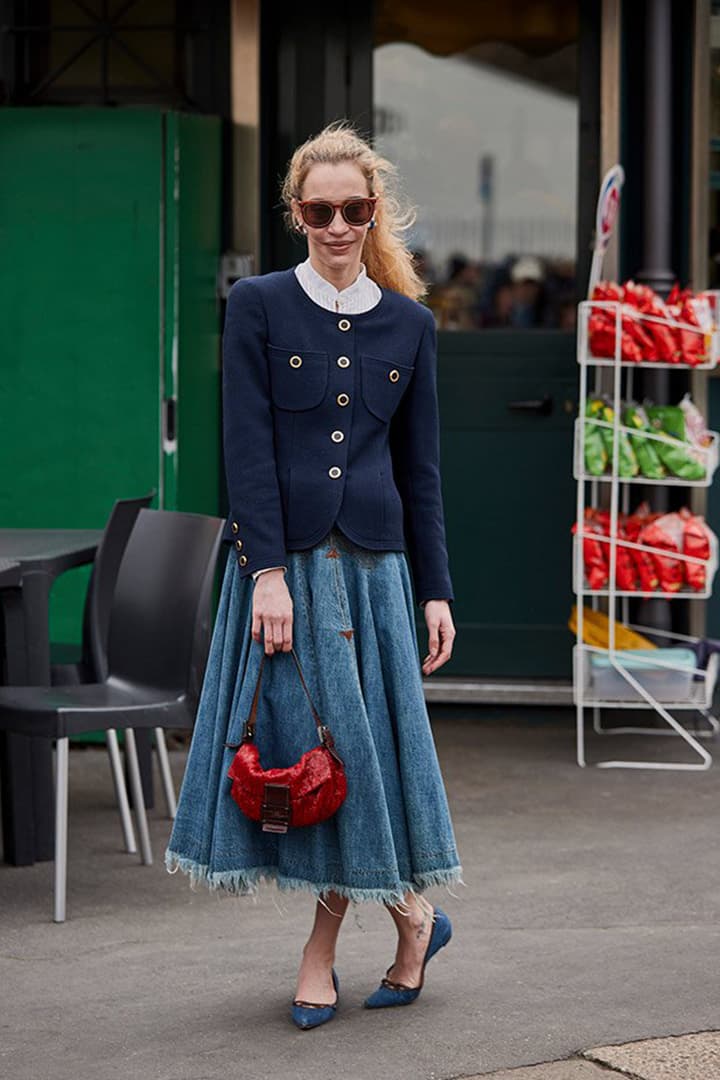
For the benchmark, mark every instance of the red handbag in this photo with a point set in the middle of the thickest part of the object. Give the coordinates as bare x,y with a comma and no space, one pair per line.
309,791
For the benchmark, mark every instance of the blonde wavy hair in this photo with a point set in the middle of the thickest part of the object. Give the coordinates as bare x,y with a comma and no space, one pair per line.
387,259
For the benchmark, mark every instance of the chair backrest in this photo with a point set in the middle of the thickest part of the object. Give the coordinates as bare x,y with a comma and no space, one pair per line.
164,579
96,615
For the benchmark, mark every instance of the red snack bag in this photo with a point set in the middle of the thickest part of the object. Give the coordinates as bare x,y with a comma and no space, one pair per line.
657,325
642,336
626,572
647,572
666,532
601,333
594,554
677,296
696,542
626,576
691,343
601,325
607,290
636,343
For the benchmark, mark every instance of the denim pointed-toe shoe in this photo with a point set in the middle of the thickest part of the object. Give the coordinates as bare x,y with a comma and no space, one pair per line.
309,1014
391,993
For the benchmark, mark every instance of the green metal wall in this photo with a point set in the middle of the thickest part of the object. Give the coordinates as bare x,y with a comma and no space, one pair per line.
110,233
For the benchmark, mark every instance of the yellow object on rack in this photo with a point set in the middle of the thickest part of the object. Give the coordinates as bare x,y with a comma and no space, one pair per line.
596,631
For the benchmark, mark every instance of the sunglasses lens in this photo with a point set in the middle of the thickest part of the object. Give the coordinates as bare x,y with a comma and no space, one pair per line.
317,214
358,212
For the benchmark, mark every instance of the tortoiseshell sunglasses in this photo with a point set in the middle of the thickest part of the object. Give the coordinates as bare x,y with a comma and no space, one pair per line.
318,213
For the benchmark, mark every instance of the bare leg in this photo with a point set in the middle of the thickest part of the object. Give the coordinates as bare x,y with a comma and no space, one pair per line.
314,978
414,925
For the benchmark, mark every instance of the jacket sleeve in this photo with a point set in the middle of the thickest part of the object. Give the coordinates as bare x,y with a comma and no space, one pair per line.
415,449
248,438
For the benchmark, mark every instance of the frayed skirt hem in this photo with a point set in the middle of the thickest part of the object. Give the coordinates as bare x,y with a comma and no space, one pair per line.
247,882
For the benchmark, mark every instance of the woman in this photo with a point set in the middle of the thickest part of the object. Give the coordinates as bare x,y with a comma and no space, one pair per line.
332,460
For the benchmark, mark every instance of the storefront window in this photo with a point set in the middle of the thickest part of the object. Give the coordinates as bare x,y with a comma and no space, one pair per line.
485,139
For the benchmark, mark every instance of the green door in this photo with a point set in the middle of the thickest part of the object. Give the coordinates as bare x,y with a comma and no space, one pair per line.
507,405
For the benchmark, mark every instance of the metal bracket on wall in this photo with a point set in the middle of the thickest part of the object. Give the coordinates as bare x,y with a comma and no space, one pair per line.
233,266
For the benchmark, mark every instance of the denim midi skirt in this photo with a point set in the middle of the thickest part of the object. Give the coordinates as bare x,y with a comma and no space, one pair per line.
354,635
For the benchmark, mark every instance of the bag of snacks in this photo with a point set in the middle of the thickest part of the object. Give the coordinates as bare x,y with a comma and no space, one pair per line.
633,526
657,325
595,553
596,457
678,456
692,343
696,433
679,459
635,343
666,532
645,452
627,462
696,542
626,577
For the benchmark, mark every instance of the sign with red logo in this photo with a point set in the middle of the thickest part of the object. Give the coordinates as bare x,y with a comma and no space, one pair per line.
605,218
608,206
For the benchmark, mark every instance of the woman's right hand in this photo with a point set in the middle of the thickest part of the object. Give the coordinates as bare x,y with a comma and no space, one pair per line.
272,612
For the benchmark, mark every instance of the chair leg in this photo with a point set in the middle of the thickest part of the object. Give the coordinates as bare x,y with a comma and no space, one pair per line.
121,791
61,823
164,763
138,797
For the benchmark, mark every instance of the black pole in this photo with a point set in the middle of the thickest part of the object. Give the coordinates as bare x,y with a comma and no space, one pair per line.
657,218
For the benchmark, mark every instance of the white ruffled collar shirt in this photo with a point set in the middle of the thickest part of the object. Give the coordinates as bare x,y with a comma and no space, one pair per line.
362,295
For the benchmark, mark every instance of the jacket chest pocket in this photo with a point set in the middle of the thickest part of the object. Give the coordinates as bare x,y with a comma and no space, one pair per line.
383,384
298,379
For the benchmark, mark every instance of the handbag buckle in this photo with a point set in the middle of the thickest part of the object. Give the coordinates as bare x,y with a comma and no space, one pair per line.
275,816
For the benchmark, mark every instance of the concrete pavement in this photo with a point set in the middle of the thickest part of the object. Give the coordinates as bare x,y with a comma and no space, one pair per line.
589,920
683,1057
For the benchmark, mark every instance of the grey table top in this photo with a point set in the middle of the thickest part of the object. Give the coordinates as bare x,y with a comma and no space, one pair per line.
49,550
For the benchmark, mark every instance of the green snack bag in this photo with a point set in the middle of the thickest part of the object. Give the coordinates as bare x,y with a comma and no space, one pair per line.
627,462
668,418
596,457
645,451
679,459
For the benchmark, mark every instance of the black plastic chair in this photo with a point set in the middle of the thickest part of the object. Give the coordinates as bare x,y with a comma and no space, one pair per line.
163,586
71,665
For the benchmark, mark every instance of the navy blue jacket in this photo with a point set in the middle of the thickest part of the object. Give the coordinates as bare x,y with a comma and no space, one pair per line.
331,419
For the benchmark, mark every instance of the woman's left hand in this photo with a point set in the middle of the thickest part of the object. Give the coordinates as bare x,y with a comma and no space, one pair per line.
441,631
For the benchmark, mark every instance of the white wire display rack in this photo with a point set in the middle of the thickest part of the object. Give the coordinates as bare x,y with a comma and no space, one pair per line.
635,683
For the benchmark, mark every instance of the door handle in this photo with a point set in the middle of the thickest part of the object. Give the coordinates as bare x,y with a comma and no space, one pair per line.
544,406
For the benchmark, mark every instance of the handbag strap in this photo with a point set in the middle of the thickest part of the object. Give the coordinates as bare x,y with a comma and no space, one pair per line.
248,732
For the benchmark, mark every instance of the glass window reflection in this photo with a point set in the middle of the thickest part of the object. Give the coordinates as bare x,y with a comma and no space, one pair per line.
485,141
